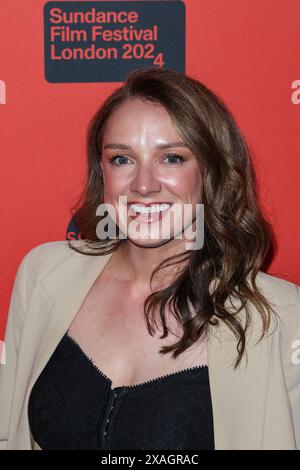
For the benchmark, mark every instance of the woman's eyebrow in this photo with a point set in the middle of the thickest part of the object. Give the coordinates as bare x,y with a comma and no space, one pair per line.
160,146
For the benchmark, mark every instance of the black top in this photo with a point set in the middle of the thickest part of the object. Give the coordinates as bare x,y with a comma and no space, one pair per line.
72,406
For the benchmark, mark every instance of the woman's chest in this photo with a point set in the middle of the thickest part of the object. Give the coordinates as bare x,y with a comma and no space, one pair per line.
111,329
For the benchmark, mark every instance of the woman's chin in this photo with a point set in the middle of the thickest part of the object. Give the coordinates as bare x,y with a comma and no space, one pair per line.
148,243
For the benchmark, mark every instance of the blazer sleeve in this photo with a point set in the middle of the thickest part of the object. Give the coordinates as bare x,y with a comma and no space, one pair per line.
290,343
16,314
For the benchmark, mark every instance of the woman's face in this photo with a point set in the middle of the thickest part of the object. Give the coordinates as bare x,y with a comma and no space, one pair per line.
145,159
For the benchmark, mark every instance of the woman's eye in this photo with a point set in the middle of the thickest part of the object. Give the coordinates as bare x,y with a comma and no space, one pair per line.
118,160
121,160
174,158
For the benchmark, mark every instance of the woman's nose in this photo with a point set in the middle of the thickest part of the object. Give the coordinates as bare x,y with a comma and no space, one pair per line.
145,181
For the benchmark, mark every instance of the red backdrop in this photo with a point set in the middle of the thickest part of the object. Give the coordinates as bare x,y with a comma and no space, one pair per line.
247,52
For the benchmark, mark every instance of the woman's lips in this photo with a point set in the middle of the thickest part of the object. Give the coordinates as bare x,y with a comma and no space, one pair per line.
147,218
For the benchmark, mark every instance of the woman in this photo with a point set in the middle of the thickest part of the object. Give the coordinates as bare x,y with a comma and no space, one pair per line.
107,351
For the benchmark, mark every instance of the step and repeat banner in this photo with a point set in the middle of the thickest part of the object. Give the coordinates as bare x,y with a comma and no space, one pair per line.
60,59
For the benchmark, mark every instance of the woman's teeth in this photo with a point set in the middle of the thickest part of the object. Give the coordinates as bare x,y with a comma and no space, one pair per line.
153,209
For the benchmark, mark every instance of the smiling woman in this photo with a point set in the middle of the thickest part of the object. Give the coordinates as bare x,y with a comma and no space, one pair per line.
153,168
86,367
164,138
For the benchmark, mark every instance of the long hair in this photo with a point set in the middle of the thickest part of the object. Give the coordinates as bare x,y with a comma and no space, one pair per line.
238,239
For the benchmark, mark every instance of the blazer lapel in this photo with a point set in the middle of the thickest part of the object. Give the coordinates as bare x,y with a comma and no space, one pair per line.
66,289
238,395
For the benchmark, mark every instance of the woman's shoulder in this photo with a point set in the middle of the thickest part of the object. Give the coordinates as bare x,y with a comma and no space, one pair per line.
41,259
278,290
50,252
284,297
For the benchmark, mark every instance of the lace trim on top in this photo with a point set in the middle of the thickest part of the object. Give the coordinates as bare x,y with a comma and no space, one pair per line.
150,381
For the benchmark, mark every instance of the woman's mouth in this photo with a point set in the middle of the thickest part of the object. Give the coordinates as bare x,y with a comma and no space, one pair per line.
148,214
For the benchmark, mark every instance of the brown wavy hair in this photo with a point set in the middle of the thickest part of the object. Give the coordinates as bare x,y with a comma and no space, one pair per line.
238,239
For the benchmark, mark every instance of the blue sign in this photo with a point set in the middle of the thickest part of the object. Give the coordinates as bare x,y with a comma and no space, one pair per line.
104,41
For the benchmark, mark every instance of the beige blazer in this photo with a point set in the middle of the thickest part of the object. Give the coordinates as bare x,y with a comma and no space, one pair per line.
256,406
